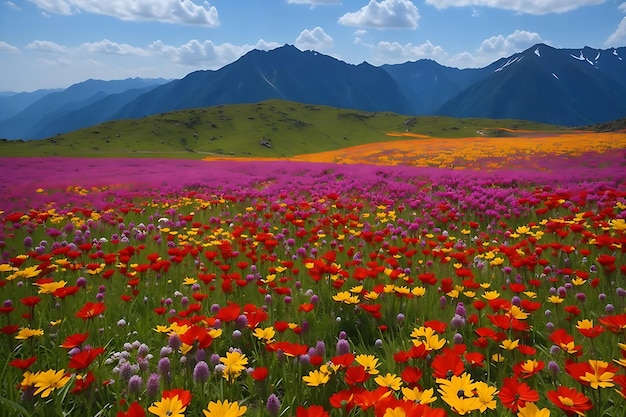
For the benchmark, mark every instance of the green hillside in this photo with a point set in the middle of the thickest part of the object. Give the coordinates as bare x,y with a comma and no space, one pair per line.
272,128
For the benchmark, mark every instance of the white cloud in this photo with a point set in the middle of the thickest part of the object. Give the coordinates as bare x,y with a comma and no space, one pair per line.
395,53
47,46
489,51
8,48
167,11
105,46
618,38
622,7
315,39
384,14
515,42
521,6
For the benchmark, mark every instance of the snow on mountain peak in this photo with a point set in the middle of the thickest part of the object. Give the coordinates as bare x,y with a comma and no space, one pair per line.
509,62
537,52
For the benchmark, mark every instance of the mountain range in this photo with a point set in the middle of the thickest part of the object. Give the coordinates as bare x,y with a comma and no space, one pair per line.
568,87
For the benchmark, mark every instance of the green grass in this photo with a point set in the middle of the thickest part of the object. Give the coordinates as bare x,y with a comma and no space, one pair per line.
239,130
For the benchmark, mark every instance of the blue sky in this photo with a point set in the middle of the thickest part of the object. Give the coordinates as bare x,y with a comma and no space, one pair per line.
56,43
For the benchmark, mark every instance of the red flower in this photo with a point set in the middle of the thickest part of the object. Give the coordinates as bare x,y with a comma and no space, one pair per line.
515,394
90,310
83,359
565,341
311,411
447,363
66,291
23,364
527,368
74,340
615,323
197,336
135,410
259,374
183,395
570,400
30,301
83,382
228,313
356,375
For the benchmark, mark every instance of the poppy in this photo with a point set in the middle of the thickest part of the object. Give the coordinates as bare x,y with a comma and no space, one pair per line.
570,400
515,394
83,359
90,310
135,410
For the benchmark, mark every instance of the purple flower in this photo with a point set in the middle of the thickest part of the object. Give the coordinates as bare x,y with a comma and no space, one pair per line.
164,366
201,372
126,371
343,347
273,405
134,384
553,367
153,385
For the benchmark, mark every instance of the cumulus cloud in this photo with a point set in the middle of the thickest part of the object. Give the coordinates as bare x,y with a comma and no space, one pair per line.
315,39
521,6
167,11
395,53
618,38
47,46
515,42
8,48
384,14
105,46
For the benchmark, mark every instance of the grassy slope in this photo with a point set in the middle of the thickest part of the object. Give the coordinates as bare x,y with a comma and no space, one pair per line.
239,130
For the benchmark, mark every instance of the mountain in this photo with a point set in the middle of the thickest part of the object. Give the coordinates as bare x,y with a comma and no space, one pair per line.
570,87
48,108
12,103
560,86
285,73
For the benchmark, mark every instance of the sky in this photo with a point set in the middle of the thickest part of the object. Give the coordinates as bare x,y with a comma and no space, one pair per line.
57,43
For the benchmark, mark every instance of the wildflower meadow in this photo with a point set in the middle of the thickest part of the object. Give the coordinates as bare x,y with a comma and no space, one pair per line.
147,287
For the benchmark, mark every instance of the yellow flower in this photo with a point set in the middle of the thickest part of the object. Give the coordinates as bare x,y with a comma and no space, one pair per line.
316,378
418,291
7,268
389,380
27,332
491,295
518,313
509,344
224,409
50,287
555,299
234,364
421,397
600,378
531,410
497,261
486,394
394,412
48,381
189,281
523,230
267,334
458,393
168,407
430,338
369,362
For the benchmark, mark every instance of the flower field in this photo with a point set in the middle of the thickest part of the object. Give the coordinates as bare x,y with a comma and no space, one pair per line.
283,288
